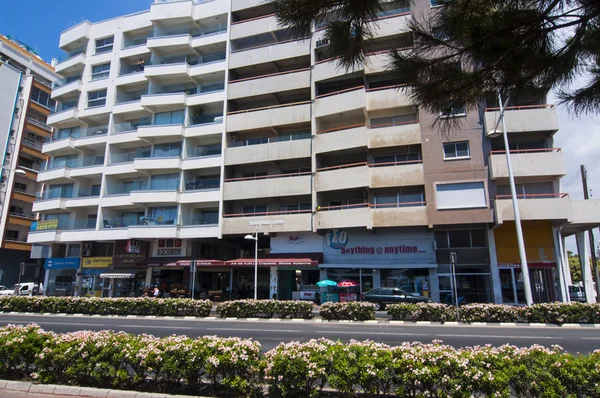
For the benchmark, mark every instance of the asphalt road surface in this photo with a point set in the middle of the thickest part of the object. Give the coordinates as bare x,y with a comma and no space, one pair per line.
270,334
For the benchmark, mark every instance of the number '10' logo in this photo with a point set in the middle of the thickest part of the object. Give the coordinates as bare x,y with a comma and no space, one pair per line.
337,238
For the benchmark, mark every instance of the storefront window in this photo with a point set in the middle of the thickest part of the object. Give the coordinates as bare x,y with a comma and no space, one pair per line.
409,280
471,288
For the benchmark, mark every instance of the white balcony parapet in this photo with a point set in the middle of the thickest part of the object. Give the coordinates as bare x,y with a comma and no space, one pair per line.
278,221
520,119
277,115
277,185
528,163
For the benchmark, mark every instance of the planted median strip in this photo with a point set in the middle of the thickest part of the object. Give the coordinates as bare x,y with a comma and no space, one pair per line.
235,367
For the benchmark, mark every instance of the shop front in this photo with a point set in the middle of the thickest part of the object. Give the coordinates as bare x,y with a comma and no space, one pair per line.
395,257
61,274
541,260
123,283
170,275
91,269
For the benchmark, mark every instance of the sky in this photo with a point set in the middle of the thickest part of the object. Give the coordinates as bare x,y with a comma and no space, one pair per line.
40,28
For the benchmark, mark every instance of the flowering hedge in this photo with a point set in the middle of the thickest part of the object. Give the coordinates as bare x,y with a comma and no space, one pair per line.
349,311
553,313
265,309
234,367
106,306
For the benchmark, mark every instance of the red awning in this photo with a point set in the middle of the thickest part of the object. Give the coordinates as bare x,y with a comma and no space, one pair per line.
272,262
174,262
209,263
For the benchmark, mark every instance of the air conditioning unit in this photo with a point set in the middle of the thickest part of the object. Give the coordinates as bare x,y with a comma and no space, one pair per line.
87,249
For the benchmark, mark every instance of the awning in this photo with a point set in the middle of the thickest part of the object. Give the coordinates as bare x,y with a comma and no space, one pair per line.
271,262
167,262
117,276
209,263
379,266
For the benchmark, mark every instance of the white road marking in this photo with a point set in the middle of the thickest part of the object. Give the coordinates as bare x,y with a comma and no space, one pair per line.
152,327
252,330
483,336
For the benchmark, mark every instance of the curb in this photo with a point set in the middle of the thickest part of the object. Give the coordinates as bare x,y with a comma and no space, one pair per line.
52,389
388,322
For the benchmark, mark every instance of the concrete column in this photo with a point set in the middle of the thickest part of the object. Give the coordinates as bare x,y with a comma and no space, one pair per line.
494,270
376,278
78,281
565,257
434,285
273,282
586,271
323,276
46,277
149,276
560,265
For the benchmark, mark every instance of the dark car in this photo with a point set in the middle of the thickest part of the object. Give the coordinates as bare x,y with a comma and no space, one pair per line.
391,295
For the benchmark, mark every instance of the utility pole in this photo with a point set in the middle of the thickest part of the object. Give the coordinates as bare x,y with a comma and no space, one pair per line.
591,234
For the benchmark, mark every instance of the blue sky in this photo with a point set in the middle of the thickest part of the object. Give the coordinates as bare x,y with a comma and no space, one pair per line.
38,23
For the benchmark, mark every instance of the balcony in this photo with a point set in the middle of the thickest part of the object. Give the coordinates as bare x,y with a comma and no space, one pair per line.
210,64
157,163
59,119
534,207
44,204
38,125
272,151
254,26
340,101
528,164
202,162
269,53
154,196
73,63
387,97
278,115
179,43
237,5
523,119
267,84
399,215
217,36
348,176
172,10
75,35
59,146
167,71
133,77
164,102
345,216
134,106
395,22
341,138
138,50
396,174
194,196
287,221
395,134
160,131
67,88
204,129
269,186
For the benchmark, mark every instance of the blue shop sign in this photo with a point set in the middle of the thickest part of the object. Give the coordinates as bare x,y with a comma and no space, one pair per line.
62,263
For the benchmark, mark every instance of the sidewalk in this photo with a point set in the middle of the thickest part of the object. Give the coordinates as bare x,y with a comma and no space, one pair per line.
18,389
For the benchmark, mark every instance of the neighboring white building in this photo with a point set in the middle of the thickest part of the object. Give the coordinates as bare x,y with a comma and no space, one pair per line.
182,129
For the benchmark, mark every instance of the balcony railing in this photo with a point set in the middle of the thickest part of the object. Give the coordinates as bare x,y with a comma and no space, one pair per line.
34,144
534,196
29,216
531,150
38,122
84,132
145,221
198,219
73,54
340,92
396,205
289,72
382,164
267,213
521,107
269,107
268,177
65,81
85,162
347,206
127,157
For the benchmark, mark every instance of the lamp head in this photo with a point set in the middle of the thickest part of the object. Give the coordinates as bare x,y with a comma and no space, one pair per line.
494,133
250,237
20,172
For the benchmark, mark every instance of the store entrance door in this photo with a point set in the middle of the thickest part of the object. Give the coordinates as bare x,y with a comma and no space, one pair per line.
287,279
542,285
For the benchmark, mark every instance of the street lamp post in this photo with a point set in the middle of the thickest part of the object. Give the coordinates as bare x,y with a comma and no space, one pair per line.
254,237
513,191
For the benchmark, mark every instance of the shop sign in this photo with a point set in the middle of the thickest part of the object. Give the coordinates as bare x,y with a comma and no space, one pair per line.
169,248
97,262
509,265
44,225
133,246
164,252
130,259
296,243
307,295
123,258
62,263
382,248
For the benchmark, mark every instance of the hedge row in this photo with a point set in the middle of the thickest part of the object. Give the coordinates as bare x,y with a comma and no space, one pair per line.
265,309
350,311
106,306
234,367
553,313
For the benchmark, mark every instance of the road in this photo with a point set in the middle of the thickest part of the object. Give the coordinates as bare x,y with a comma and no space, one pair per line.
271,333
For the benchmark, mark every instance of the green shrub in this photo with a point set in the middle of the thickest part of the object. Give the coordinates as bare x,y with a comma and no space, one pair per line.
490,313
347,311
106,306
265,309
433,312
560,313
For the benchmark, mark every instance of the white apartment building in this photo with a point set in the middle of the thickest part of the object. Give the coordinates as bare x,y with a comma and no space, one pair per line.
182,129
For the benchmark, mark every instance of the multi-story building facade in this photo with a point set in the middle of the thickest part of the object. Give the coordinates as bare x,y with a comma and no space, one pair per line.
182,129
25,103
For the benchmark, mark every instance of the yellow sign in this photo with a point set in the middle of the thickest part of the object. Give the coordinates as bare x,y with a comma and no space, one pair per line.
46,224
97,262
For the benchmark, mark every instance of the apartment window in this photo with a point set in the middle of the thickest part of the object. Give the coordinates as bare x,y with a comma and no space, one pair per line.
457,150
453,111
169,149
210,217
296,170
295,207
254,209
399,200
208,150
11,235
175,117
74,250
104,45
396,120
385,160
63,219
20,187
100,71
294,135
64,161
461,195
73,132
15,209
460,239
256,174
131,218
42,98
165,182
203,183
96,98
346,203
164,215
59,191
257,141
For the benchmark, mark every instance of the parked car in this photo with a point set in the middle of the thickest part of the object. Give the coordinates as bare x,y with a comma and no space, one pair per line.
577,293
391,295
24,289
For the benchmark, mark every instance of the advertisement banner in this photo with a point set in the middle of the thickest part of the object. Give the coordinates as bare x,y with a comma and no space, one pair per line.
97,262
62,263
44,225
